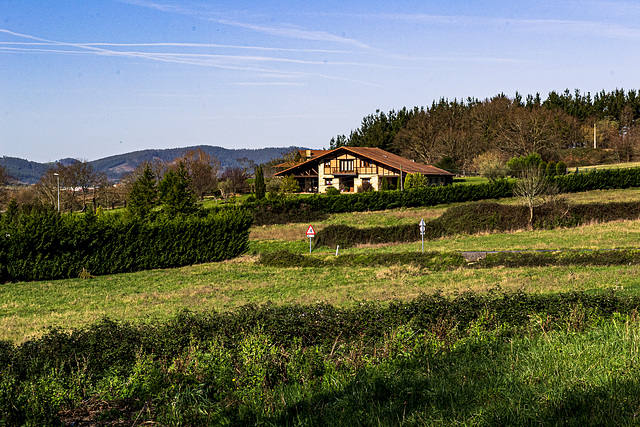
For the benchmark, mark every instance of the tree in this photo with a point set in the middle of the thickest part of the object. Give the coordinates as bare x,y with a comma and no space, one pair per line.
384,184
490,165
237,180
533,186
83,174
259,183
203,171
175,191
415,180
47,187
289,184
538,130
517,165
143,196
248,165
5,179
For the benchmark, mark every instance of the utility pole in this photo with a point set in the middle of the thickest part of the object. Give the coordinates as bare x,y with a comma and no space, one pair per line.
594,136
58,176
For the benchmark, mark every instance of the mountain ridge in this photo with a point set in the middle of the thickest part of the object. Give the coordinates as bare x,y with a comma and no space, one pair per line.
29,172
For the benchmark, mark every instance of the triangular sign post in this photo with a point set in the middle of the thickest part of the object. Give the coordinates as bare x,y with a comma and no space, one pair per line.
311,233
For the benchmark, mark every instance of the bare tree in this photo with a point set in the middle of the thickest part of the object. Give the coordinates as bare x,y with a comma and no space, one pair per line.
534,187
491,165
203,171
417,139
237,180
248,165
5,179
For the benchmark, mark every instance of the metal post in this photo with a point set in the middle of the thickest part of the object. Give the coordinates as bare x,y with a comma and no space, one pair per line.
58,176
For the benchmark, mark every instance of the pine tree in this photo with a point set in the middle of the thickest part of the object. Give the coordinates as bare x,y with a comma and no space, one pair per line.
143,196
176,194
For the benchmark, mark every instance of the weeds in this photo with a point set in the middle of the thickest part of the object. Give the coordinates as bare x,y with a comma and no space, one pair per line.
498,358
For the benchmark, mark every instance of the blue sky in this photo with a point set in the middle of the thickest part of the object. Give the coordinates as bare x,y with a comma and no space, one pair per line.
89,79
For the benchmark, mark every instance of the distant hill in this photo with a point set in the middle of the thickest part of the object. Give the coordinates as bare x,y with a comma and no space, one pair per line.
29,172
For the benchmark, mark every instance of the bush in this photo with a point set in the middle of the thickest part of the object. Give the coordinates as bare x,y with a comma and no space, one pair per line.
303,209
551,168
239,367
332,191
51,246
561,168
480,217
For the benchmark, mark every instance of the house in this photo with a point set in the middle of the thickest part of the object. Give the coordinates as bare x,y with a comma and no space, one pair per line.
347,168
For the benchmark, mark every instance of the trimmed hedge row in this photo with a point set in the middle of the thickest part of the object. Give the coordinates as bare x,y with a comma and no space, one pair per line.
605,179
311,207
480,217
50,246
427,260
560,258
444,260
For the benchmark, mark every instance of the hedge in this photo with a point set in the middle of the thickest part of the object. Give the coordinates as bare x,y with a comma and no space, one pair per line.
315,207
480,217
428,260
52,246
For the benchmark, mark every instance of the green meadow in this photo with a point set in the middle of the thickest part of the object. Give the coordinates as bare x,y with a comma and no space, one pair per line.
27,309
241,343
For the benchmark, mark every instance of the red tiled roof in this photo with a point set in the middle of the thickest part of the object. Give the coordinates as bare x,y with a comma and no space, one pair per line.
379,156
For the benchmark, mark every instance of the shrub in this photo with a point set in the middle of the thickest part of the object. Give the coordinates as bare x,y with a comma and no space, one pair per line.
332,191
51,246
561,168
480,217
551,168
516,165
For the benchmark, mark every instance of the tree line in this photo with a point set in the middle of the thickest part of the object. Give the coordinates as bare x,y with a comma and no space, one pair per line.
454,134
178,184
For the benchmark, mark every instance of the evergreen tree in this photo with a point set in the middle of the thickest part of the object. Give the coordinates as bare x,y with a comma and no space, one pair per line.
143,196
176,194
384,184
289,185
261,188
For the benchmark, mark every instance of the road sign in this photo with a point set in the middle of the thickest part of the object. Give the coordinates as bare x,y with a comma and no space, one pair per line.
422,229
311,232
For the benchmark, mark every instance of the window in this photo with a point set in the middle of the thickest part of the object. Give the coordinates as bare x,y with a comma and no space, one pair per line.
328,182
327,163
365,163
346,165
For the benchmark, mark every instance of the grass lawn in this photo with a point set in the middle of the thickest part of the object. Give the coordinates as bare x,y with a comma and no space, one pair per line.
26,309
